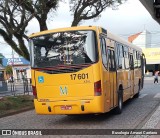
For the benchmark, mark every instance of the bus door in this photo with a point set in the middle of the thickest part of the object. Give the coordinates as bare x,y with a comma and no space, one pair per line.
105,74
131,66
143,61
112,77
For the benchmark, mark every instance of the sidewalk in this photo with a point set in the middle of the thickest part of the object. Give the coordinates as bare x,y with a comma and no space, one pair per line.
149,78
16,89
156,127
13,93
154,121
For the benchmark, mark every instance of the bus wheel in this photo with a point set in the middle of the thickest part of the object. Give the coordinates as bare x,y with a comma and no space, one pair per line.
118,109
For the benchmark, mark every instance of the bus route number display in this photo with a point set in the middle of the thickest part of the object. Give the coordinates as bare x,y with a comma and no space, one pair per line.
79,76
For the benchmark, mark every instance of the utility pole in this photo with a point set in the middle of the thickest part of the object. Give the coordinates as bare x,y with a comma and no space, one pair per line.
12,61
12,57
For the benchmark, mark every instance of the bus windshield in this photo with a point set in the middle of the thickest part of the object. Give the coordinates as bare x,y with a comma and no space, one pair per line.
63,48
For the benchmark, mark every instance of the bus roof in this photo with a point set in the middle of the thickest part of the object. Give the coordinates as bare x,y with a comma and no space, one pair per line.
109,34
123,41
64,29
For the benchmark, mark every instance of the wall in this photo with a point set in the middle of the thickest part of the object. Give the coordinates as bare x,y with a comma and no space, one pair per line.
143,40
20,71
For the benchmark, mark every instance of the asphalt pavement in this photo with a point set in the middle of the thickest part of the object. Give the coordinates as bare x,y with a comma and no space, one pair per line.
153,122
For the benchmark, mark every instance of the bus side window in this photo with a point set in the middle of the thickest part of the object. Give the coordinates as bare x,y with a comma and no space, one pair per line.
109,60
126,58
117,54
131,63
104,52
135,59
139,60
113,60
121,57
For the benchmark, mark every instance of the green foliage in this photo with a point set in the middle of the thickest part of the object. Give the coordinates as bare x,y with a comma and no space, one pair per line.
9,70
90,9
15,103
1,56
15,16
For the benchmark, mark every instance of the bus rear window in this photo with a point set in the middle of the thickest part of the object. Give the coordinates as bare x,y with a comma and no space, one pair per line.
64,48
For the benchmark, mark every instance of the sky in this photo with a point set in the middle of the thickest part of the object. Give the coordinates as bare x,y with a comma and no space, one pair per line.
128,19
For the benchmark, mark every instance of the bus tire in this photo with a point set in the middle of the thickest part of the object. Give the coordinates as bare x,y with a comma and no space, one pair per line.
118,109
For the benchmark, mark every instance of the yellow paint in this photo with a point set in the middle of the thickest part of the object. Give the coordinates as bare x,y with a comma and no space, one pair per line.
59,90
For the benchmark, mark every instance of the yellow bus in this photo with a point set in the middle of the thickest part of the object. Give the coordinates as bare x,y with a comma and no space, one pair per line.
83,70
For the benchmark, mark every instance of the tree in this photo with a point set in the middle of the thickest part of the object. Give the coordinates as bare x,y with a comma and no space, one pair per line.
89,9
15,16
40,9
14,20
1,56
9,70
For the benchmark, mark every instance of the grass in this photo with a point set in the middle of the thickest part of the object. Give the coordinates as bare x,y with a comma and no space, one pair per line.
13,104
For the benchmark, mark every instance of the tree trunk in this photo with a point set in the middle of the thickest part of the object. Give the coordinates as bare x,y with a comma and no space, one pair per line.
75,22
42,24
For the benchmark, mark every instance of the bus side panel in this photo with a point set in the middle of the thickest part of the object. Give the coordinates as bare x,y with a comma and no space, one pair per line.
106,88
121,81
115,90
132,83
127,88
137,75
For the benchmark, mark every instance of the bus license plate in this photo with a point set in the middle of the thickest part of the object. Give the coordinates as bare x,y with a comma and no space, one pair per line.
66,107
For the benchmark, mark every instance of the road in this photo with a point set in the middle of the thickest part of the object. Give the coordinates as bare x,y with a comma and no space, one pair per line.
136,113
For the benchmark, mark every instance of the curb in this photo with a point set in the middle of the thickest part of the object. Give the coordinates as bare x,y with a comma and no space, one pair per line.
16,112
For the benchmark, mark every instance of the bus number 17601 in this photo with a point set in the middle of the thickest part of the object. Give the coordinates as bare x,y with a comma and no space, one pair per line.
79,76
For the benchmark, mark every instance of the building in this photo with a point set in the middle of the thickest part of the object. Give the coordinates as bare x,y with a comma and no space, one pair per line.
143,40
3,84
2,73
20,66
152,59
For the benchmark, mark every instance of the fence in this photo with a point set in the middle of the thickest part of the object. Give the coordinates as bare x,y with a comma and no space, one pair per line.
18,86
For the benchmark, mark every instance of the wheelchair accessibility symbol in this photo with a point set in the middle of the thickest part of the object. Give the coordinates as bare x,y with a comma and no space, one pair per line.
40,79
